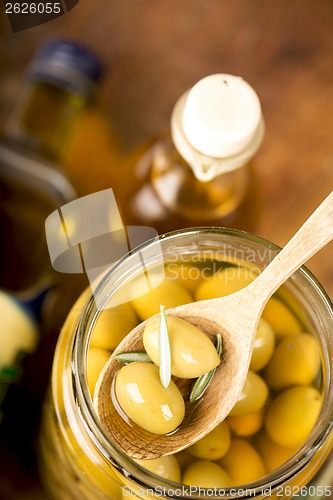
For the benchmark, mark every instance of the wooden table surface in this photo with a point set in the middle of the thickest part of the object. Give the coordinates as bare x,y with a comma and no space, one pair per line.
154,51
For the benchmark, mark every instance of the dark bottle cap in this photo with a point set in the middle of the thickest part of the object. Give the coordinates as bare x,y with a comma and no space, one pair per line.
66,64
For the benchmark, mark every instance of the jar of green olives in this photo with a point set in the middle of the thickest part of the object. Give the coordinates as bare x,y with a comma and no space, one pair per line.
276,441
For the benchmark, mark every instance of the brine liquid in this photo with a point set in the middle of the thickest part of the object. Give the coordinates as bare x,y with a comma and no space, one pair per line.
72,465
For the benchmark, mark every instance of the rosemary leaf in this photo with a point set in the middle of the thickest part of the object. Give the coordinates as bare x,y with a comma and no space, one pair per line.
164,349
202,382
129,357
219,345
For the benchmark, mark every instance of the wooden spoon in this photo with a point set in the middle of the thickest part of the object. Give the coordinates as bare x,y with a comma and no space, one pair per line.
236,318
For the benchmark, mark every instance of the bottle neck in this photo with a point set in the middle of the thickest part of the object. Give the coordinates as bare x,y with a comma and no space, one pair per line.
44,118
206,168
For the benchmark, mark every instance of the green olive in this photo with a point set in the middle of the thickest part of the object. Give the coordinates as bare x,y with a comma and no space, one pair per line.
186,275
296,361
225,282
192,352
263,346
253,396
97,358
166,467
206,474
169,293
112,326
247,424
214,445
281,318
292,415
273,454
243,463
145,401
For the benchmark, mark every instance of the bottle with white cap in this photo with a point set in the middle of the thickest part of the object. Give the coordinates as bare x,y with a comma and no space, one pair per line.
203,174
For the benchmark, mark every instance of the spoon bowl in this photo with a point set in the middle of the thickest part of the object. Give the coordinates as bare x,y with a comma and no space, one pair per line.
236,318
139,443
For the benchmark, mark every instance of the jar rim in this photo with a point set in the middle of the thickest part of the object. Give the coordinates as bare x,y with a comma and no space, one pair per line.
117,457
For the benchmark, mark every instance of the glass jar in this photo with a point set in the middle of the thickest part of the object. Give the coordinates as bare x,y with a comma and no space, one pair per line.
78,460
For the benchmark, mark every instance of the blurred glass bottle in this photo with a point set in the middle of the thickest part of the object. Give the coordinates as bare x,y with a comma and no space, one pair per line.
59,85
202,174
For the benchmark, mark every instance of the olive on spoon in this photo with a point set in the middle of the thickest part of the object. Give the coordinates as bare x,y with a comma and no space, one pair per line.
235,317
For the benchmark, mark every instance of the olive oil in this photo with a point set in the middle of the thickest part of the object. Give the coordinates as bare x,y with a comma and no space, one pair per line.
202,174
166,195
59,85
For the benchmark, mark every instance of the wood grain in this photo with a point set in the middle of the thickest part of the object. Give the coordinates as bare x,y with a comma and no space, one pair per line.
153,51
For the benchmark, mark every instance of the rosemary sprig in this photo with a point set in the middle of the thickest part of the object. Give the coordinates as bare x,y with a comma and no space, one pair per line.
202,382
129,357
164,349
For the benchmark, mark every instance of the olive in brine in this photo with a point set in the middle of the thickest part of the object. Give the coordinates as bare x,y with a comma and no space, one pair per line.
192,352
145,401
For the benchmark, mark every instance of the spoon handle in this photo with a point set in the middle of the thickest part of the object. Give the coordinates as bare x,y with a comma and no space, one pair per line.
315,233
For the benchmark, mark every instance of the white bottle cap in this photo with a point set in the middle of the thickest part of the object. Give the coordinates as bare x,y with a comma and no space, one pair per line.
217,125
221,115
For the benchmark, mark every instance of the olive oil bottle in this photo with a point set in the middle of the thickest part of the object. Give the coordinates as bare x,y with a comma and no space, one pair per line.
202,174
59,85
